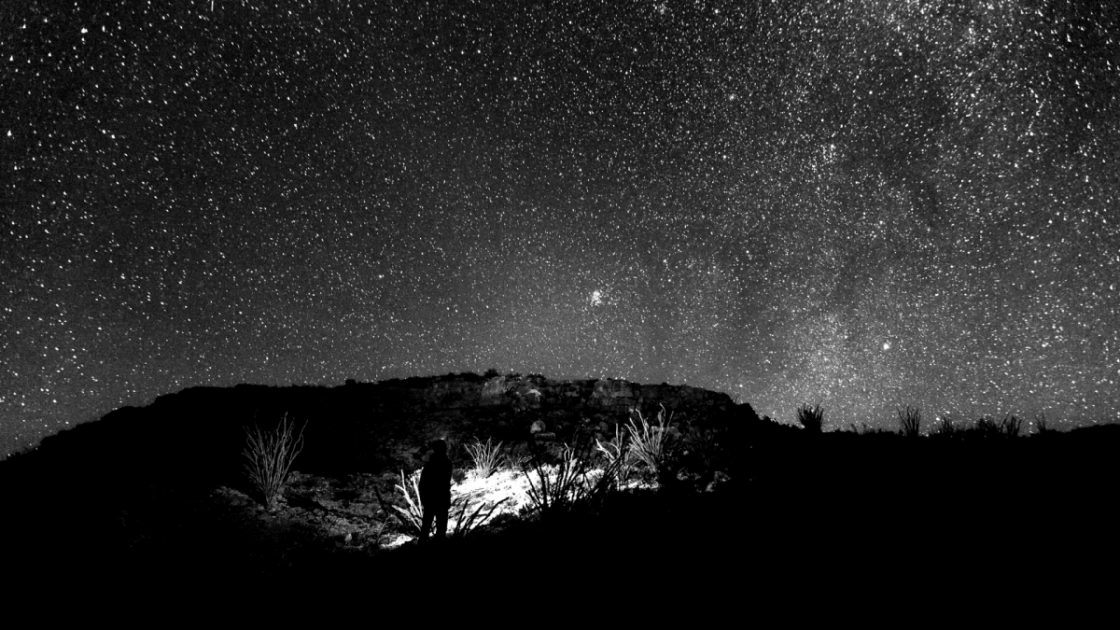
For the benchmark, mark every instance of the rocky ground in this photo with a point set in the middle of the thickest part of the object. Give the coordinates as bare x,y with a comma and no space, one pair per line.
359,514
321,522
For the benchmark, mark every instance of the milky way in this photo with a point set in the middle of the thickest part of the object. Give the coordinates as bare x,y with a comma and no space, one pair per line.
864,205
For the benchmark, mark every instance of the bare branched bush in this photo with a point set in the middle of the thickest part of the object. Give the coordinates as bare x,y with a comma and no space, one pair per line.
1011,426
910,422
270,456
413,513
1041,426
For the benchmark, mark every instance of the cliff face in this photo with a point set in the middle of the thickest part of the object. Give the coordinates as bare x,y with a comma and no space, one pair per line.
540,393
514,408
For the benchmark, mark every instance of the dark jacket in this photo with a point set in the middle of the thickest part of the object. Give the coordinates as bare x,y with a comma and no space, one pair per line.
435,481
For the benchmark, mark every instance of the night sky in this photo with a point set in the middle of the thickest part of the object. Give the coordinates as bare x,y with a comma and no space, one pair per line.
862,204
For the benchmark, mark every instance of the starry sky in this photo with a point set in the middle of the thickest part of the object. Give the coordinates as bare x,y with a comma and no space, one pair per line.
865,204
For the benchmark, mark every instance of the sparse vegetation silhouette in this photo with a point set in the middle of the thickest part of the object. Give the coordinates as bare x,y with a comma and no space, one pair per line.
1042,427
910,422
270,455
947,428
812,418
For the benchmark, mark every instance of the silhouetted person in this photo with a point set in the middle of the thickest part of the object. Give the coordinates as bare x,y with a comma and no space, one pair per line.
435,491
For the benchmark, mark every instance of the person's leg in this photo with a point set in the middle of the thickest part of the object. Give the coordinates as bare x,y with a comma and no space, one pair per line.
427,524
441,521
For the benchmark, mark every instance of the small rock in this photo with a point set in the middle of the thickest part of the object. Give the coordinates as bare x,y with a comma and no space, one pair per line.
720,479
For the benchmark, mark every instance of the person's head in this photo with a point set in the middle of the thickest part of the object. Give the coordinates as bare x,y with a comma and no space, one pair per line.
439,447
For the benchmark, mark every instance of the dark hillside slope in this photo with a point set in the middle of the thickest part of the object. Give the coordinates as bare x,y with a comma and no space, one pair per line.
797,501
76,489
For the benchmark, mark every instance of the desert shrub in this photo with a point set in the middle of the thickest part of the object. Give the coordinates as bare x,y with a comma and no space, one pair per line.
618,456
460,518
1009,427
812,418
1041,426
985,427
648,444
485,456
910,422
516,458
567,486
866,430
270,456
412,515
946,428
704,452
457,526
516,462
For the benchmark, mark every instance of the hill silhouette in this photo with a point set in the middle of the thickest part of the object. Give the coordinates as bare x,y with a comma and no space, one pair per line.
160,492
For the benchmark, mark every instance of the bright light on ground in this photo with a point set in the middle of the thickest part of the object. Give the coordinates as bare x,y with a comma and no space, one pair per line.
504,484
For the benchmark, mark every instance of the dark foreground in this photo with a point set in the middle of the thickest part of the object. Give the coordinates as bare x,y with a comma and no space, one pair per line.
803,516
738,542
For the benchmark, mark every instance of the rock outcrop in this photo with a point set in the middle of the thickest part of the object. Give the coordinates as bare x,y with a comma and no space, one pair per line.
537,392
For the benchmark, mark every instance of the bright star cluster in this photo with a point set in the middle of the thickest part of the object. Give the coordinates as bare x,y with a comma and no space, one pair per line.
862,204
